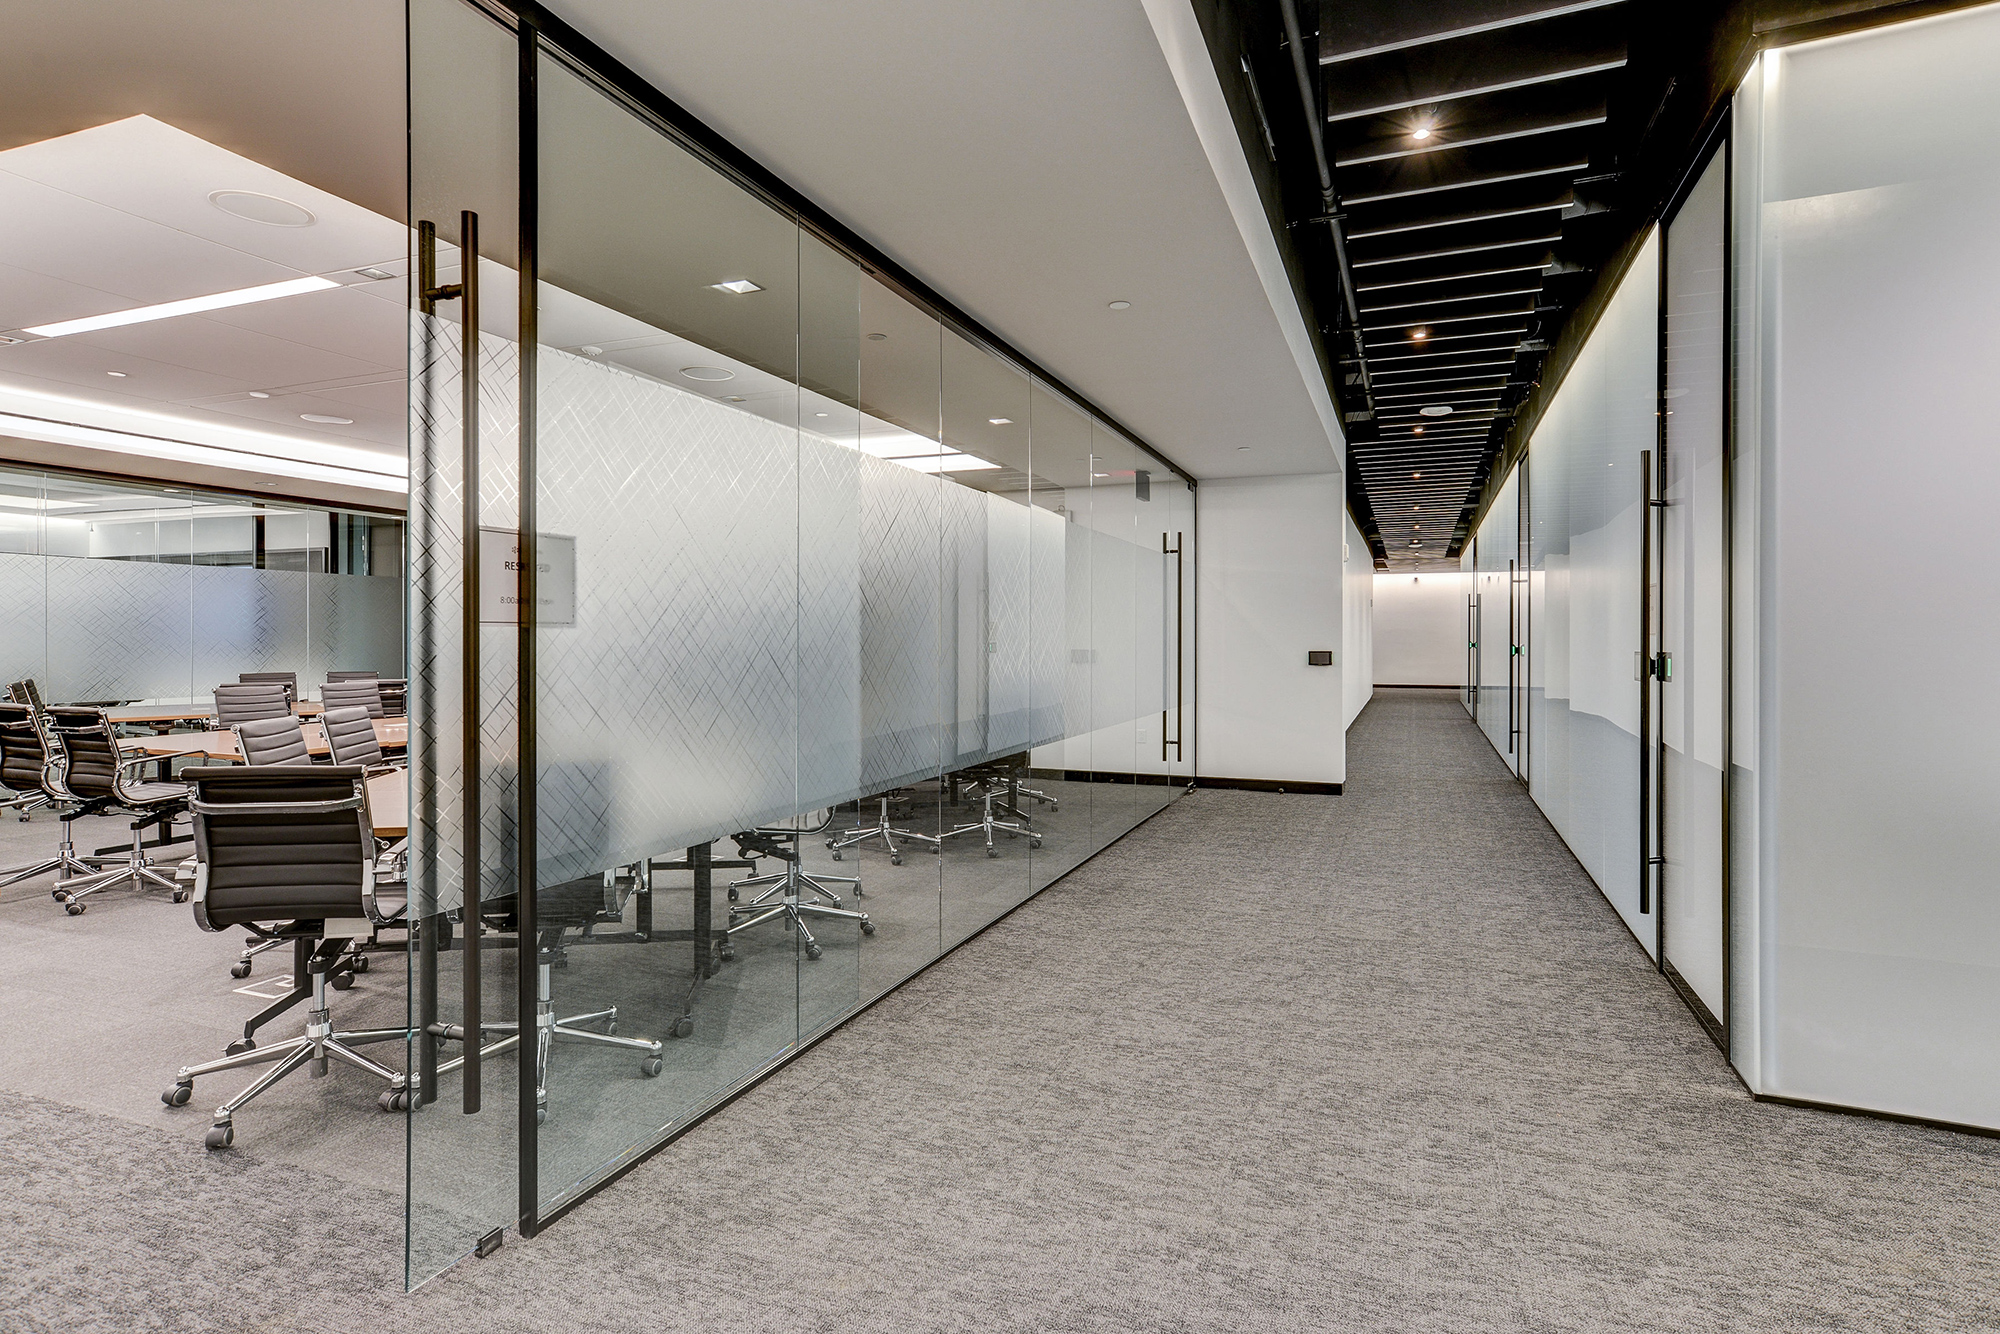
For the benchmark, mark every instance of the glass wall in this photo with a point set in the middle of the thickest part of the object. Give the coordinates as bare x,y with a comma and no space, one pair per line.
849,635
193,587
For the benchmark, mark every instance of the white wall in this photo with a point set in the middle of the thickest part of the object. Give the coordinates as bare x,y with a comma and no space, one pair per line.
1357,601
1419,629
1269,577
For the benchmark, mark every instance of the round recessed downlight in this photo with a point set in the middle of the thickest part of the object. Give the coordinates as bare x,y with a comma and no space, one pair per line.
712,373
321,419
1121,305
258,393
267,209
591,350
877,338
1421,132
1434,410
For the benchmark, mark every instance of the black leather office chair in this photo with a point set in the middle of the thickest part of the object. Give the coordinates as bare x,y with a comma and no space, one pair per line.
272,741
364,693
288,850
289,680
395,696
22,759
95,774
350,737
242,702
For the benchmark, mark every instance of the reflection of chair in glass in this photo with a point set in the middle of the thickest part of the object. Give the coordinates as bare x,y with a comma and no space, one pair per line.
94,772
290,845
883,829
583,903
793,893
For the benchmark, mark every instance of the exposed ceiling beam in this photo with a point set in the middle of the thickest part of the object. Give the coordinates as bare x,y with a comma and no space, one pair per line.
1505,86
1551,127
1385,195
1468,30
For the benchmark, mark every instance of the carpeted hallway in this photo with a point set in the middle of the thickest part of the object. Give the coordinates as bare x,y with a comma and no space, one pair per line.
1382,1061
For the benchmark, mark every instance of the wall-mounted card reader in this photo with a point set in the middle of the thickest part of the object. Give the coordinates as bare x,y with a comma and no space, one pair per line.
1319,657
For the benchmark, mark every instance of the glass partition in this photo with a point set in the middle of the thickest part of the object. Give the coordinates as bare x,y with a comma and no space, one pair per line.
847,635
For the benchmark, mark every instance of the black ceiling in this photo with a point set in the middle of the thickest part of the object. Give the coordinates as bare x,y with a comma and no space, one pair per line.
1488,165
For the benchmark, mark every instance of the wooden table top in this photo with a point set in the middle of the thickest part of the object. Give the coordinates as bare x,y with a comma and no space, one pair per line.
388,793
389,804
189,713
221,745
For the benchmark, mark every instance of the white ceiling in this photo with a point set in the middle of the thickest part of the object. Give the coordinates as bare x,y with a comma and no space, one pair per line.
119,216
1032,162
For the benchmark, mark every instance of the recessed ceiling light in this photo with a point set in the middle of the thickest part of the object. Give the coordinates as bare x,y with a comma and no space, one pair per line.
1000,421
1420,334
876,338
736,398
1421,132
819,414
258,393
1416,430
1121,305
711,373
269,209
1434,410
1415,475
242,296
373,275
119,374
1243,449
325,420
739,286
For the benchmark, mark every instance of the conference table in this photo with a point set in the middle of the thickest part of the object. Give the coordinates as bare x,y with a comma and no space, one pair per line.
388,793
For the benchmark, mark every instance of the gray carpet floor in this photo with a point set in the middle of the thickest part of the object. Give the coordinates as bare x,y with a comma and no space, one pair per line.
1383,1061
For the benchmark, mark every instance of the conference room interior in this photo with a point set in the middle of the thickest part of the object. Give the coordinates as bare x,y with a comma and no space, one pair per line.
961,594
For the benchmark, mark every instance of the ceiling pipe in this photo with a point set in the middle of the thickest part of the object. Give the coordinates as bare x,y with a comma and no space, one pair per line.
1328,198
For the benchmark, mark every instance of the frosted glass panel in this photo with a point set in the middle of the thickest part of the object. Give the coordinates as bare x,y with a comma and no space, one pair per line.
1585,511
1878,182
1692,594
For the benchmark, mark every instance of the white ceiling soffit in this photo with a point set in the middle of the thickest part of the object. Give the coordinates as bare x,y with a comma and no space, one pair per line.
1033,163
120,216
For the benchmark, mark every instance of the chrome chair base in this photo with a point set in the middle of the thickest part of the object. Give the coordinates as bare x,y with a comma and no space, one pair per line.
315,1048
987,824
788,897
883,830
135,865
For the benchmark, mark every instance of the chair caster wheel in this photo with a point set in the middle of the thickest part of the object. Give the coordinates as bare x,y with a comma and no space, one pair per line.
59,895
238,1047
360,963
814,951
651,1066
1034,843
836,854
395,1100
241,968
178,1095
611,1028
180,896
867,928
683,1026
896,860
728,953
74,908
341,981
220,1137
541,1115
993,852
732,893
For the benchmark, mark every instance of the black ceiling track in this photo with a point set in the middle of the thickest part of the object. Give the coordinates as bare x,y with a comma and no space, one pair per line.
1490,167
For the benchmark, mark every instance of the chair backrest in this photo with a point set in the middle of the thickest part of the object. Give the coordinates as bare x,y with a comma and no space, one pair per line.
395,696
272,741
280,843
289,680
350,735
91,749
347,694
28,693
243,701
352,676
22,756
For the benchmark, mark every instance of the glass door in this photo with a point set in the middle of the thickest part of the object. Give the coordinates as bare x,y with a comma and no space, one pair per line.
1690,664
465,400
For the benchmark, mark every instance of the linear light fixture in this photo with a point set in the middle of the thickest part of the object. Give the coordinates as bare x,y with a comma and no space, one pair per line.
242,296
